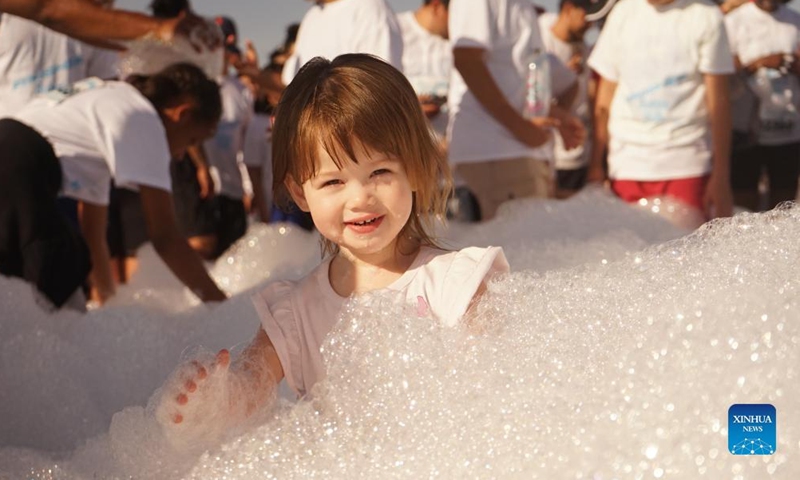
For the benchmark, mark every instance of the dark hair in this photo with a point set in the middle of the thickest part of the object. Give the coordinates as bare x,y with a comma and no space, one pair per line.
275,62
168,8
584,4
181,81
291,34
446,3
359,99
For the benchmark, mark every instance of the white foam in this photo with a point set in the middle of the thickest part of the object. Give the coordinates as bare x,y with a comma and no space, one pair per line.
599,358
149,55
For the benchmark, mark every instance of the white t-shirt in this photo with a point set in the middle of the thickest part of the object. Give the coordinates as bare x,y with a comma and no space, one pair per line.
427,61
35,59
223,150
509,33
346,26
754,34
258,150
659,124
107,131
563,51
297,316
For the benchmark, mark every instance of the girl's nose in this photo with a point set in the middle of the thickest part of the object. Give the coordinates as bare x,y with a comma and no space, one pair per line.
363,196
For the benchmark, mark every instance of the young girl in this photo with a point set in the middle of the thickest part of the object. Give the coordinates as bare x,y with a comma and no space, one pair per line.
352,147
127,131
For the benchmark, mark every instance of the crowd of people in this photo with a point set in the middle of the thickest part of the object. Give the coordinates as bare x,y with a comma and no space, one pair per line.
679,98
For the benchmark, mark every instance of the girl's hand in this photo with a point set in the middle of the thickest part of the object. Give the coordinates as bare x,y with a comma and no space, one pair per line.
195,401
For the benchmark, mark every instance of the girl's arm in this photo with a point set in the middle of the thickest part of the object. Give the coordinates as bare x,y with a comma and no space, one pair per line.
93,220
172,247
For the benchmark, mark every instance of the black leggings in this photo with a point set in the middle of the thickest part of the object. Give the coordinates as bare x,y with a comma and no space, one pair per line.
37,242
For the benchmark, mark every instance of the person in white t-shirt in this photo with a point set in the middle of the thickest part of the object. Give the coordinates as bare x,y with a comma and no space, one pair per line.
563,37
127,131
428,58
498,153
333,27
662,107
371,180
765,40
35,59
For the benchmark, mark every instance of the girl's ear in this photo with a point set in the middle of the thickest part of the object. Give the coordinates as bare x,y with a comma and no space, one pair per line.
296,191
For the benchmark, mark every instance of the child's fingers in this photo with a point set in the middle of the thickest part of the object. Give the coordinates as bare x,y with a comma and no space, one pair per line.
223,358
200,370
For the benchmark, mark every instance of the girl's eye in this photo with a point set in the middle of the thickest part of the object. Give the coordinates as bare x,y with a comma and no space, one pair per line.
381,171
331,183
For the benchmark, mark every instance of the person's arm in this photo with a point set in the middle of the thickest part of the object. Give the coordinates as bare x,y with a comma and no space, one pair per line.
87,21
259,198
776,60
172,247
718,198
93,221
205,398
197,155
470,64
602,108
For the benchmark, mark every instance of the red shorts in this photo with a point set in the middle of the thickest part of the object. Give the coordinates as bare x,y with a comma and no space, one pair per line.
687,190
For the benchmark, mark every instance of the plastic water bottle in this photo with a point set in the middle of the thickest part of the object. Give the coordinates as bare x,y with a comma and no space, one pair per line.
538,91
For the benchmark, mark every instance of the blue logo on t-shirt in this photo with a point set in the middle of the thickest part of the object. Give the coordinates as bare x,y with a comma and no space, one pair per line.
752,429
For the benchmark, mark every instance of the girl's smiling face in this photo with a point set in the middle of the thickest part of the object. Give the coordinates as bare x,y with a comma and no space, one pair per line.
361,207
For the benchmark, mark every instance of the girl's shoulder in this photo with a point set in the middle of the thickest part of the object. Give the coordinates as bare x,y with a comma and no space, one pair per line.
279,299
465,259
445,282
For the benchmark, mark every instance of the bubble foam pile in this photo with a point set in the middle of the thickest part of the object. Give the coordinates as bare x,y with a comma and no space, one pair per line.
625,370
63,375
622,366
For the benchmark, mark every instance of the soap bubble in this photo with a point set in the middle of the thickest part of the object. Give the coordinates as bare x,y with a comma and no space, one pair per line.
149,54
613,350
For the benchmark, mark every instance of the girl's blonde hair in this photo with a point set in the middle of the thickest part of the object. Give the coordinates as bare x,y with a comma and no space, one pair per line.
359,98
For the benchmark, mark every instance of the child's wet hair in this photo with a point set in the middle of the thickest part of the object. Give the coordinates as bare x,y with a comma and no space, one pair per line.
182,81
359,100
